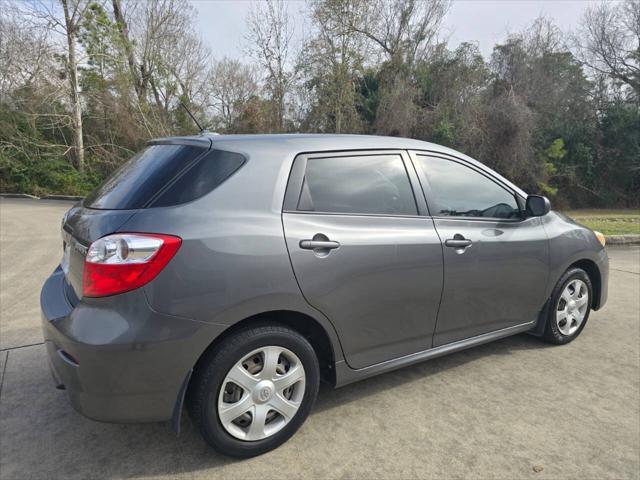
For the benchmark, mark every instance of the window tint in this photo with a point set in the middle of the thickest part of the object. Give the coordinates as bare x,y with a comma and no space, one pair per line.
203,177
139,179
367,184
459,191
187,173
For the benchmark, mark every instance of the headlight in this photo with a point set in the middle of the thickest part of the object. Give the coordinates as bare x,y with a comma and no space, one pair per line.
601,238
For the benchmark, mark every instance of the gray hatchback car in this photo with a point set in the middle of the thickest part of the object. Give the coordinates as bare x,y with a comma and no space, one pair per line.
234,273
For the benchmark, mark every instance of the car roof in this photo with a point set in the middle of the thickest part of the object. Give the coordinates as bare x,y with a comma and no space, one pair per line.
297,142
292,144
322,141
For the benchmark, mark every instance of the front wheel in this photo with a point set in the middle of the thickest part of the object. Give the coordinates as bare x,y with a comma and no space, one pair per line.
569,308
254,390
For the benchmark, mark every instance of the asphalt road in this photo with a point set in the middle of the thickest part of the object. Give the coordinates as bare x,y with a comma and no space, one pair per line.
495,411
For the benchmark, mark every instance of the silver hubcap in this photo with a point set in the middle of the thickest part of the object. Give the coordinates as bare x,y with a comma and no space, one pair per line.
572,307
261,393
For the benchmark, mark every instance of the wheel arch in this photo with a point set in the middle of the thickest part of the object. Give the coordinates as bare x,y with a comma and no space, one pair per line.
302,323
592,270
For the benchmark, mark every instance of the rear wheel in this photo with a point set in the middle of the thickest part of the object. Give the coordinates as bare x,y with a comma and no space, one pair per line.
570,307
254,390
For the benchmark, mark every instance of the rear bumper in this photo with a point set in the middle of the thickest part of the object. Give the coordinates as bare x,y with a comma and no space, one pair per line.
119,360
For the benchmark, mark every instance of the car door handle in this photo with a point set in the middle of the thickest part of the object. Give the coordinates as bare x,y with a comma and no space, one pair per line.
318,244
458,242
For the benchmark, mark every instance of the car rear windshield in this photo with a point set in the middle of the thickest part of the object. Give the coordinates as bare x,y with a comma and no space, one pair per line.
164,175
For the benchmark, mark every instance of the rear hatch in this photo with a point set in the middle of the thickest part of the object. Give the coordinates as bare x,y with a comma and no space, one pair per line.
154,177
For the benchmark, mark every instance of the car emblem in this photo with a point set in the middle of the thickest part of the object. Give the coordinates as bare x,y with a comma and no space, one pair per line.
264,394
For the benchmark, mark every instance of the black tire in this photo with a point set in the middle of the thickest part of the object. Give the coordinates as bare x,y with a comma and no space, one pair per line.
205,388
552,333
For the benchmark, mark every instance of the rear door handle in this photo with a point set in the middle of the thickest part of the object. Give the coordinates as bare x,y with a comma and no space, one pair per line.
319,244
458,241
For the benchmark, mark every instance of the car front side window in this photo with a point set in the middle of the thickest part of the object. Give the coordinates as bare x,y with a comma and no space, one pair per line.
459,191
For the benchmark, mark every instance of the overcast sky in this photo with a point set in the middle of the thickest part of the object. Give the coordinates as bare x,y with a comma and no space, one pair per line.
222,22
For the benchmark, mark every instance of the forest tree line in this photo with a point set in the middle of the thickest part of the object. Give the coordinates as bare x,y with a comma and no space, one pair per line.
85,83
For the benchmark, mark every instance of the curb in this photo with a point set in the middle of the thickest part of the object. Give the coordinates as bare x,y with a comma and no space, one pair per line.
622,239
61,197
18,195
46,197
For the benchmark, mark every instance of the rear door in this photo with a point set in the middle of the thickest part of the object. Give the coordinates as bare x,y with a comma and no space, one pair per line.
495,260
364,252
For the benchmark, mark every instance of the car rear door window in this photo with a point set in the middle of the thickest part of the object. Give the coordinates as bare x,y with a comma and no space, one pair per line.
372,184
459,191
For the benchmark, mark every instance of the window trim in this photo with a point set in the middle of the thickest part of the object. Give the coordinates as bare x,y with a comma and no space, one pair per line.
480,167
295,182
430,198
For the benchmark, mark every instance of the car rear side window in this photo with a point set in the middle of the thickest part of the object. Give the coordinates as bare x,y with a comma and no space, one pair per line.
164,175
207,173
459,191
372,184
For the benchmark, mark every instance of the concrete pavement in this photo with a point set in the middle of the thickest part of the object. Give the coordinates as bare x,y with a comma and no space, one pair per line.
495,411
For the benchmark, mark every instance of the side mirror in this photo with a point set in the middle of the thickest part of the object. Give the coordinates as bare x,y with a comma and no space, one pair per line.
537,205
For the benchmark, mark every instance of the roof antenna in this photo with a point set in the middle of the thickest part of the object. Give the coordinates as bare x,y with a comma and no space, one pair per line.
202,130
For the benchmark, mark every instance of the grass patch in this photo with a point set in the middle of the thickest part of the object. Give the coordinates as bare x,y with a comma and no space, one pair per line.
609,222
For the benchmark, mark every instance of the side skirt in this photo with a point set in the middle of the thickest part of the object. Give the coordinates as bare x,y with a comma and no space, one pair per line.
346,375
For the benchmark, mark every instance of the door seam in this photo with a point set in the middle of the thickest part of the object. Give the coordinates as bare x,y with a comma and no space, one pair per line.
295,277
410,154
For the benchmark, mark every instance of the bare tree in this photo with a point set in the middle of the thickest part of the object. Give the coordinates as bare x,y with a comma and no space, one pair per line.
188,65
123,29
332,59
31,84
405,30
269,38
73,12
47,16
232,84
167,61
523,62
26,53
608,41
161,24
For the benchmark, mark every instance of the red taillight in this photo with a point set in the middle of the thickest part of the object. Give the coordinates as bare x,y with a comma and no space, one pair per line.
126,261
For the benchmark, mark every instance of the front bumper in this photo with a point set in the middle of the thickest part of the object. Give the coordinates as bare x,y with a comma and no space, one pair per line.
119,360
603,268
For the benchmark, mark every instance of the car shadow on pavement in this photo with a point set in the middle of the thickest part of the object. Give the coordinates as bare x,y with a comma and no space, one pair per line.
331,398
41,436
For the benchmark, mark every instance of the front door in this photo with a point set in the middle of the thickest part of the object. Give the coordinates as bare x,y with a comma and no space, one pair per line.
495,259
364,253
